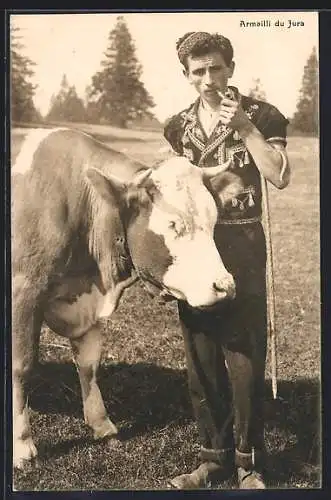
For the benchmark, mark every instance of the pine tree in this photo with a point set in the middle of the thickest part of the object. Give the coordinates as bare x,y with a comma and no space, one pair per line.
74,106
66,105
257,91
305,118
120,95
56,111
91,106
22,90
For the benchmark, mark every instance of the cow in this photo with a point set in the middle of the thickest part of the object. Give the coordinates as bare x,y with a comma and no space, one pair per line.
87,222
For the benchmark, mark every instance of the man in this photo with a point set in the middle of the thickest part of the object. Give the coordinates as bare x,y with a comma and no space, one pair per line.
228,343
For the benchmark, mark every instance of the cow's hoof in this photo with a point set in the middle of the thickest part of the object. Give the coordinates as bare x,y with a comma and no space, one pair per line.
23,451
105,429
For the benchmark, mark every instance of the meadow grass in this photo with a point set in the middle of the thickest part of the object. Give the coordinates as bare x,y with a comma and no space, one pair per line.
143,376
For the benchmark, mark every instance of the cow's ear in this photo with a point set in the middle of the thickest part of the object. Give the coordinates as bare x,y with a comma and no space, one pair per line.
226,186
109,187
141,189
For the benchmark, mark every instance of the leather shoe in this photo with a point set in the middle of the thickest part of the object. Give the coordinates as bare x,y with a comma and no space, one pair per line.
250,479
207,475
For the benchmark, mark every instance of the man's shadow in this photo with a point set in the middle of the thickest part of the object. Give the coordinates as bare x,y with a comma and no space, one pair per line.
143,397
293,428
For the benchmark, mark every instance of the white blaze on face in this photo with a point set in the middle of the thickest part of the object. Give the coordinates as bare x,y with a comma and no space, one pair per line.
186,216
30,145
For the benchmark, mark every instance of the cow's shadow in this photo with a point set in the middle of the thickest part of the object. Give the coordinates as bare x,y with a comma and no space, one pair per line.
144,397
138,397
143,393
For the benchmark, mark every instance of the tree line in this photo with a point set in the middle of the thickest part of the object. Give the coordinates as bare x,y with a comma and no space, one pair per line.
116,94
22,90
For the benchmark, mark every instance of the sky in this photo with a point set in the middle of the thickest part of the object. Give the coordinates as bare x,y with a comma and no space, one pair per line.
74,44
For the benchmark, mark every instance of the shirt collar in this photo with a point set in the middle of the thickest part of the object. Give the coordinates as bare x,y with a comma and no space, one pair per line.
205,108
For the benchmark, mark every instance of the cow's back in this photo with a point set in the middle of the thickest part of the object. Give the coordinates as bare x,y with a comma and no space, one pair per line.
66,153
50,194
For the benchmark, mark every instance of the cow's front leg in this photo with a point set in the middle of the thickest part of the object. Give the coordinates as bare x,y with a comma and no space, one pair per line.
87,353
23,445
25,339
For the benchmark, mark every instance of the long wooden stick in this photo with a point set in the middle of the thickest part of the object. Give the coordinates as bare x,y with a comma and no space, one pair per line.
269,282
270,286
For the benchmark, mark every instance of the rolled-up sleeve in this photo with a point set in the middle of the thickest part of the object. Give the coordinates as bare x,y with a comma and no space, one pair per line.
273,125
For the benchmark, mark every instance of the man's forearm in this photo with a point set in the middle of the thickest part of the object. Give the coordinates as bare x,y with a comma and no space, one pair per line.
271,161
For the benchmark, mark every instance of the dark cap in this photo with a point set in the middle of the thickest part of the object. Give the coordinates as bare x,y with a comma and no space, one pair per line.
197,43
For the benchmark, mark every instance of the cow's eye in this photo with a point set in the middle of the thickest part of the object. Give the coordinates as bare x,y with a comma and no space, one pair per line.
177,226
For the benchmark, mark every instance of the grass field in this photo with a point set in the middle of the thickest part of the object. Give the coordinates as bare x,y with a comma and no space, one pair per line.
143,377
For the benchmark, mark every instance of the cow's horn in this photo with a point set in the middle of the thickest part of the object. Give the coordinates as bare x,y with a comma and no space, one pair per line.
141,177
210,172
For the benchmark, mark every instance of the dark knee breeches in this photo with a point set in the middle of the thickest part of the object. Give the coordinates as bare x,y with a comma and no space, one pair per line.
225,354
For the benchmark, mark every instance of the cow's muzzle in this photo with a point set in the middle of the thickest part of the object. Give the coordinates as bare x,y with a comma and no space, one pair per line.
221,290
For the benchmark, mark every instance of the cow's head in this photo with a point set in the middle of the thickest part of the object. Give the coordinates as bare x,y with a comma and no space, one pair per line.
170,214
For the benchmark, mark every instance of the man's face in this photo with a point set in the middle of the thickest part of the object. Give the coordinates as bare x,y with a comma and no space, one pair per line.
207,74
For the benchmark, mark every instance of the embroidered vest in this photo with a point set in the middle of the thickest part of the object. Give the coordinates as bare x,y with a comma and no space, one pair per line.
187,137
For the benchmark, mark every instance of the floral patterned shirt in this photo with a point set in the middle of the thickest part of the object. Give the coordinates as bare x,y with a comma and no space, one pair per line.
186,136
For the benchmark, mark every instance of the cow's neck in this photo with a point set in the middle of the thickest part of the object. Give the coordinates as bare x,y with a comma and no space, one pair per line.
107,242
106,226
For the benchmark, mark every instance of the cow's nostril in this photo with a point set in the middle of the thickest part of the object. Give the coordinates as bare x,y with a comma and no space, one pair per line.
229,291
218,288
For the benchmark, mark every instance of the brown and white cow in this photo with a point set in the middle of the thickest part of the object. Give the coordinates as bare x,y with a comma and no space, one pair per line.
86,222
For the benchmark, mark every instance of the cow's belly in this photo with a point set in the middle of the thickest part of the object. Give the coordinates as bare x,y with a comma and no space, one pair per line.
71,312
